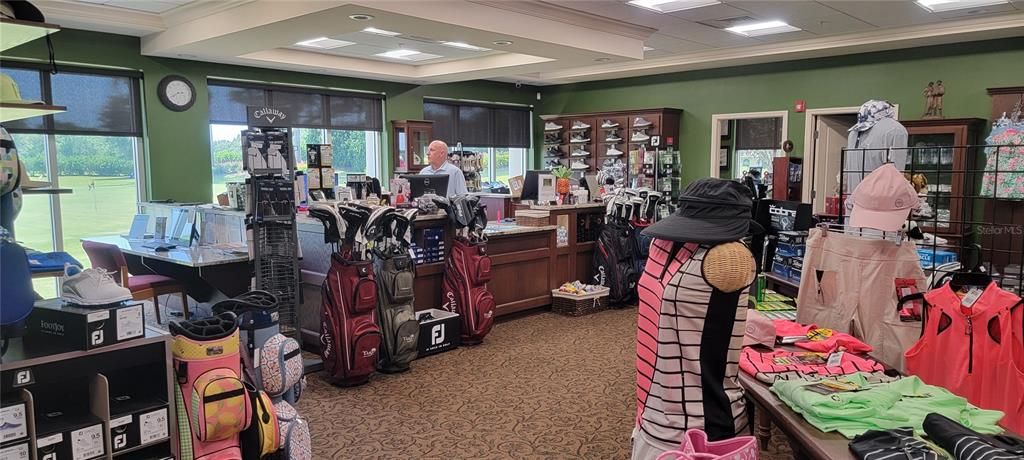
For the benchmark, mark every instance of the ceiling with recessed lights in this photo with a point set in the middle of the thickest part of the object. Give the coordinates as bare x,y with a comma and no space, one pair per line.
532,41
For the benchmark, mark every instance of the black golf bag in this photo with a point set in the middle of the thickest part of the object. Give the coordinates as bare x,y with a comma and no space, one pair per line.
614,260
390,233
468,269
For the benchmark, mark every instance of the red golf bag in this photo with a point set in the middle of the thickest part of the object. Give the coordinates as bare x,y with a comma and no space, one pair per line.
465,289
350,337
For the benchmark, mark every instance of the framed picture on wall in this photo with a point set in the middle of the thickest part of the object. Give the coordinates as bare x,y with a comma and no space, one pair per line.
724,128
723,158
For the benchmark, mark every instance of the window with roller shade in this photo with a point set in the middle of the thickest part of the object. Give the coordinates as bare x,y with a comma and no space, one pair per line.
94,149
350,122
758,140
501,134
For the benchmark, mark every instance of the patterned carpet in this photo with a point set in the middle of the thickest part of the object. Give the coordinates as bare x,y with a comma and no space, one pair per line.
541,386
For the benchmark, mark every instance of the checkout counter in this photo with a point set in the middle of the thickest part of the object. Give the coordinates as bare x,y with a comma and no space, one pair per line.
527,262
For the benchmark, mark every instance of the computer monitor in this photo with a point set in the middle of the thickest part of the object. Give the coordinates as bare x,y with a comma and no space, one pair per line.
422,184
531,184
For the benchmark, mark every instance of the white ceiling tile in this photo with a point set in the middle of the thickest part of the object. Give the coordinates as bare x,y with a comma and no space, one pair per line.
810,16
707,35
623,12
662,42
710,12
884,14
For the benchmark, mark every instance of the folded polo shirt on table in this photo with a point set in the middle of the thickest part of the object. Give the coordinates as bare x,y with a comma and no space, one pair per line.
882,406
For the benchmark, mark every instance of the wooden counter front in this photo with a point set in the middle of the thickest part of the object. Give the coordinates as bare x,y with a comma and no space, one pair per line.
521,270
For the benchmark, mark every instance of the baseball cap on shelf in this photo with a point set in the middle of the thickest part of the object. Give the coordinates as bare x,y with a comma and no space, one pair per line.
883,200
9,92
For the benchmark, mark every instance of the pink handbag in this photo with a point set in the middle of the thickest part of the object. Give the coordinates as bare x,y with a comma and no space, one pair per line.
695,446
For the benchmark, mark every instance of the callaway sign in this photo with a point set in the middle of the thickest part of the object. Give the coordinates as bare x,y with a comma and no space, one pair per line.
266,117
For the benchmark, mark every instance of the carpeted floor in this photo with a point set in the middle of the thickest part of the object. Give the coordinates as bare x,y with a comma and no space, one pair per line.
541,386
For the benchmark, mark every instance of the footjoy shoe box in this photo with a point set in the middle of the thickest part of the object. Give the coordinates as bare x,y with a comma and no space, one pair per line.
441,333
68,326
69,436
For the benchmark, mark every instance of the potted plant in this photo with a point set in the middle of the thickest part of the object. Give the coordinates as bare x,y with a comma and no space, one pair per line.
562,184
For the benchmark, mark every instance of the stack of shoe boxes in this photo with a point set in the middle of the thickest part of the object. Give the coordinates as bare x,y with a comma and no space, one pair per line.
789,255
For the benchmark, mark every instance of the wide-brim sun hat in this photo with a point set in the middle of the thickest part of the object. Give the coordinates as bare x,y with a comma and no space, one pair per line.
711,211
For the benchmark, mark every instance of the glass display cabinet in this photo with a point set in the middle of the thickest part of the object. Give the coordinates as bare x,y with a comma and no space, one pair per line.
938,149
409,142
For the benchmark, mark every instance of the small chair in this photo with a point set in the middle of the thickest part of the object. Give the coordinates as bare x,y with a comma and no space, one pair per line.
110,258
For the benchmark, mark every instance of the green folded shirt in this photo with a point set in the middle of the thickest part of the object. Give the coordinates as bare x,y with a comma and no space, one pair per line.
882,406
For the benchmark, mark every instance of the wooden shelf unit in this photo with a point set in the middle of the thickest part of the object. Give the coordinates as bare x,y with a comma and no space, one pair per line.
665,122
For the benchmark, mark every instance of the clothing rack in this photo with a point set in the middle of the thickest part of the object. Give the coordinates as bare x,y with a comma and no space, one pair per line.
897,237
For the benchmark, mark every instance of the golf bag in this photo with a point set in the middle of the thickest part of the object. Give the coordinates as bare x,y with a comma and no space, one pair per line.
211,400
258,324
349,335
391,234
468,269
614,262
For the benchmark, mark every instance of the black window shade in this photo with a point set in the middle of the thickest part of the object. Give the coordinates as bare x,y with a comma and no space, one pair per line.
227,103
445,118
311,108
479,125
759,134
100,103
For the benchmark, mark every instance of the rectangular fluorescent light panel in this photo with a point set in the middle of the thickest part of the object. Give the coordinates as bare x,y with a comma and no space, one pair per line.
465,46
408,55
398,54
648,48
757,29
941,6
324,43
386,33
668,6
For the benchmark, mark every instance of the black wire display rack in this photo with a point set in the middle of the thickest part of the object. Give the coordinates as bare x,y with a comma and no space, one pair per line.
271,216
969,223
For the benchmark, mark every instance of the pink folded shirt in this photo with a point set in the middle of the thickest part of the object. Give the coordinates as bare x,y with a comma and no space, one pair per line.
786,328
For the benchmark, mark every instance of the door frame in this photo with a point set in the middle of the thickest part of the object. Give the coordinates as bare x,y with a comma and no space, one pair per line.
810,155
716,130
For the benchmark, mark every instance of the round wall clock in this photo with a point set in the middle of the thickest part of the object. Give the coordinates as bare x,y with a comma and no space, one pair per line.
176,93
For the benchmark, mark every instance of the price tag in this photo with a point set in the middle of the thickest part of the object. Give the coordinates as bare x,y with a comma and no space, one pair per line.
121,421
835,359
153,426
16,452
12,422
971,297
97,316
87,443
129,322
49,440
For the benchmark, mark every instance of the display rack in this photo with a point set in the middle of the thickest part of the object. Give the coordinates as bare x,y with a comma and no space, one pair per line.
126,389
979,226
271,216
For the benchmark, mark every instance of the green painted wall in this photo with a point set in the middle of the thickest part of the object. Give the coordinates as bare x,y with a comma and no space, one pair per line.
898,76
178,143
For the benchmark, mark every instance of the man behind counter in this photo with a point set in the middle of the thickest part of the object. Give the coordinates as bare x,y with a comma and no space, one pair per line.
437,156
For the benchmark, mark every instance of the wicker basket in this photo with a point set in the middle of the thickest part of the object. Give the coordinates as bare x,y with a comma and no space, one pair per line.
531,218
579,305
